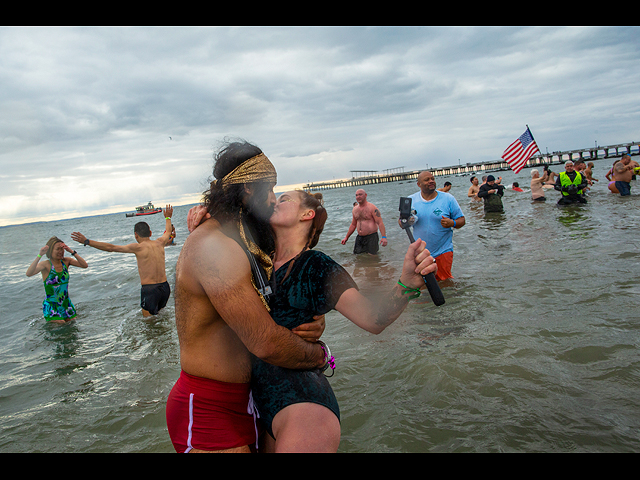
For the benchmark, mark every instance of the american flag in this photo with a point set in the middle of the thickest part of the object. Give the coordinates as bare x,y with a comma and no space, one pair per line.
517,154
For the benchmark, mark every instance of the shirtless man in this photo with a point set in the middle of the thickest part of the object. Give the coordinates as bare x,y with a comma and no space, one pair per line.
446,188
622,175
367,219
155,289
552,175
589,173
537,182
635,165
474,189
580,166
222,287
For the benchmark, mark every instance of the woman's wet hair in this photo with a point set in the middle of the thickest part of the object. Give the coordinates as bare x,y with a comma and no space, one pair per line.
314,202
52,241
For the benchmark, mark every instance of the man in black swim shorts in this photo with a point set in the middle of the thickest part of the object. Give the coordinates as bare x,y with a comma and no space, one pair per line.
366,219
366,244
149,254
153,298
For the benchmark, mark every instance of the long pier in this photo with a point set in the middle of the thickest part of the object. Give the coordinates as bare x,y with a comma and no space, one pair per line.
397,174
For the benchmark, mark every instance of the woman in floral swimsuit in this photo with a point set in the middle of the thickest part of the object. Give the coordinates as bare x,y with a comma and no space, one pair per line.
57,307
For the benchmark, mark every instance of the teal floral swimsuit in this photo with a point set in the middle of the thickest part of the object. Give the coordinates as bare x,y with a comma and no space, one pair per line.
57,305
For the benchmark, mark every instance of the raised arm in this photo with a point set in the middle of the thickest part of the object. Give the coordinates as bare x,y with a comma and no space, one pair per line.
37,267
376,315
168,213
104,246
76,260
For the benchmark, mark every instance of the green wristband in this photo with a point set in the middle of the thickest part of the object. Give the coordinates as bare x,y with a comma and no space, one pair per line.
416,291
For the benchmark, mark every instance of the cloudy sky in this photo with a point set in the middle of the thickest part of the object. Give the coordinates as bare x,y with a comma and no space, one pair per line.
103,119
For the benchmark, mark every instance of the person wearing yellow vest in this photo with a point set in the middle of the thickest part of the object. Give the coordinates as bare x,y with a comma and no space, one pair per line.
571,184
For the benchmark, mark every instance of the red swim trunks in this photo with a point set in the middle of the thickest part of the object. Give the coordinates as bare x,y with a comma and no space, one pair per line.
209,415
444,263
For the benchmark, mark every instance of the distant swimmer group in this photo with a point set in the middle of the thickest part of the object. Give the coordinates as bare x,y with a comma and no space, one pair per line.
577,179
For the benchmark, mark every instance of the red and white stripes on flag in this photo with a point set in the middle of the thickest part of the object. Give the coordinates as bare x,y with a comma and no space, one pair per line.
517,154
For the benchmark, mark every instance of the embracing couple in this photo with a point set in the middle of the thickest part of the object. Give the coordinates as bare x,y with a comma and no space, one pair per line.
248,286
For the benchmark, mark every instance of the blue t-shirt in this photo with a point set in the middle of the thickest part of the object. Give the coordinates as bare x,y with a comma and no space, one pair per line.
428,216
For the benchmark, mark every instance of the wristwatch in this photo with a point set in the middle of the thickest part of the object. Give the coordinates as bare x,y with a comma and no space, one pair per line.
86,242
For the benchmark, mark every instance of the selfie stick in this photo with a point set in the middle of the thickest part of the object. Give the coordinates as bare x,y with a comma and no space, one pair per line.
429,279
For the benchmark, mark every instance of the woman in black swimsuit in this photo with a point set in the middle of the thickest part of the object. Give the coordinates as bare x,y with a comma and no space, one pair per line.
298,407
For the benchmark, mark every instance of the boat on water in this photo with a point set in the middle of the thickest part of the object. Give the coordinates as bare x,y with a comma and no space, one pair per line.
147,209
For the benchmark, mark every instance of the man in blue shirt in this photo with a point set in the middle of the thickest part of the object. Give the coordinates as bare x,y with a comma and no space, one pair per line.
437,214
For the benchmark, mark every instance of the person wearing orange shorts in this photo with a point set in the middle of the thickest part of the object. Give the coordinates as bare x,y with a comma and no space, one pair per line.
437,215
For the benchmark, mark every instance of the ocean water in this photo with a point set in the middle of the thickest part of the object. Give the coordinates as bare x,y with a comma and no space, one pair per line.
535,350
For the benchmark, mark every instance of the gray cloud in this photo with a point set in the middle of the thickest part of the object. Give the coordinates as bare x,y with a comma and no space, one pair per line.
92,109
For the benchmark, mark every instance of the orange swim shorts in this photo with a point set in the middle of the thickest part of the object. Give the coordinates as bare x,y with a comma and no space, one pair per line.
444,262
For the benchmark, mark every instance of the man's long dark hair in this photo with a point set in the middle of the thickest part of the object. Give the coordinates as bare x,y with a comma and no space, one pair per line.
226,204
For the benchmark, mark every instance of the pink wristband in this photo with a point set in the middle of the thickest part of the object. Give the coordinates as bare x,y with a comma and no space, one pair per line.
331,361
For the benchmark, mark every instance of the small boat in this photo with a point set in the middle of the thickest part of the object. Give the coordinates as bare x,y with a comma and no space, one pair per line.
147,209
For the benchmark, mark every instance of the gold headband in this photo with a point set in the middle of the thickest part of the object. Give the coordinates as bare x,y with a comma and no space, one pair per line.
256,169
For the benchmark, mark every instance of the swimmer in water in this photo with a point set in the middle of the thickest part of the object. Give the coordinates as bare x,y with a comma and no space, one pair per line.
634,165
571,185
589,173
447,186
366,219
473,190
551,176
155,289
609,176
537,182
622,175
57,307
